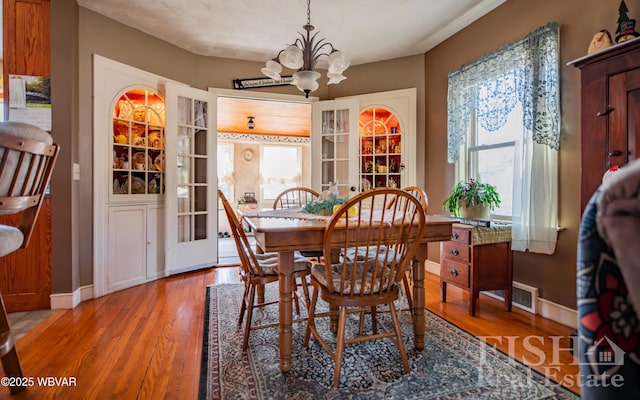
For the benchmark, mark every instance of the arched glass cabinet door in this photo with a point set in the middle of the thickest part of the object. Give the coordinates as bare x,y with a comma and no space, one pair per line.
138,138
381,163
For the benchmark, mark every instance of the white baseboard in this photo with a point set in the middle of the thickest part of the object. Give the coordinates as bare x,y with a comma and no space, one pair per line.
68,301
545,308
432,267
557,312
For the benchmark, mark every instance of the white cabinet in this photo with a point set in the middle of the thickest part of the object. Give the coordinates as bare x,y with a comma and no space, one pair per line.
154,177
135,250
387,139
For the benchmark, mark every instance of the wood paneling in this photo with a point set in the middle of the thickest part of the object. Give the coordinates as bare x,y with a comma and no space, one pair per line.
25,275
270,117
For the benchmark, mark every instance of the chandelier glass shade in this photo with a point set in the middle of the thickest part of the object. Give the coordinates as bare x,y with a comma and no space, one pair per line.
303,55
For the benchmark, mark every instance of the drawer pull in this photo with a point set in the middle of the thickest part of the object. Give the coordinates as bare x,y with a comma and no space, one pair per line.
455,251
455,235
454,272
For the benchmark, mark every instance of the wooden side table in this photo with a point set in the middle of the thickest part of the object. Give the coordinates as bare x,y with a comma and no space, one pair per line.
476,259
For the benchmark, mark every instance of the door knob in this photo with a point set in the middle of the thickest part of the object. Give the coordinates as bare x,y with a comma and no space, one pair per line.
454,272
455,252
353,188
615,153
455,235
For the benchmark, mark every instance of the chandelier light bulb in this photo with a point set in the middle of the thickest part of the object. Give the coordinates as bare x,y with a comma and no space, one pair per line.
338,63
292,57
272,69
306,81
335,78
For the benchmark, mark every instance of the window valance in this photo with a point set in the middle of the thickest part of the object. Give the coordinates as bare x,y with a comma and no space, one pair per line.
525,71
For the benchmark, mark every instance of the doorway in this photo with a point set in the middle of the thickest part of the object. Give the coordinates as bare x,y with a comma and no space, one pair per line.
263,144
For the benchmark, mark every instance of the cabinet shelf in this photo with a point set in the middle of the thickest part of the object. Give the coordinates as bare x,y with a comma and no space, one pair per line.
138,144
380,149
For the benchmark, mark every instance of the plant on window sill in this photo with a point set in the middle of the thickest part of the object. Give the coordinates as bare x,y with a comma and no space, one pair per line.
471,194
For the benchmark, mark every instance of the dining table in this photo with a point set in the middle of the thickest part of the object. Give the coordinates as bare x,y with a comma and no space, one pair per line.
288,230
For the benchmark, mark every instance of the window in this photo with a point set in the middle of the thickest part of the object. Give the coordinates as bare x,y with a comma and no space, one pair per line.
225,169
504,128
490,158
280,169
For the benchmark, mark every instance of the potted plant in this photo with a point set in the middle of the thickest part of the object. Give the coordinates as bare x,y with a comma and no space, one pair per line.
472,199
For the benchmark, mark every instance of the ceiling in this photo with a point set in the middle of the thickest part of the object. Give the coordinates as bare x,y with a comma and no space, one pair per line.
255,30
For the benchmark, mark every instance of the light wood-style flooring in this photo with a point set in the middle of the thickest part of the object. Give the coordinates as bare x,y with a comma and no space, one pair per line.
145,342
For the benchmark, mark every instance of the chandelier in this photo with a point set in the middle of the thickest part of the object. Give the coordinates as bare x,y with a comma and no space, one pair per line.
303,54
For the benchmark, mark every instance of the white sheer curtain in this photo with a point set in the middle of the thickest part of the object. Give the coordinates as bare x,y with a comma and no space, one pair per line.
525,71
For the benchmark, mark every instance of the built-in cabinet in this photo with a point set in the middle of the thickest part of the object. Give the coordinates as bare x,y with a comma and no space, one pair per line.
365,141
154,177
610,119
380,135
135,206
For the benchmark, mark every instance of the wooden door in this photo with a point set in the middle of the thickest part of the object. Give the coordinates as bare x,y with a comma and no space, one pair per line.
25,275
624,102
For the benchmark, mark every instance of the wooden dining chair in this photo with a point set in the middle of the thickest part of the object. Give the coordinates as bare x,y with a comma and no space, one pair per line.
298,197
27,157
259,269
421,195
387,237
295,197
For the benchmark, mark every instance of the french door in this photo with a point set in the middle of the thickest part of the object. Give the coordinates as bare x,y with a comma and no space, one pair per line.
334,145
191,181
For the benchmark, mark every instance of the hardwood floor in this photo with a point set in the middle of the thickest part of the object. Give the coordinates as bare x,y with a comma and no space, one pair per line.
145,342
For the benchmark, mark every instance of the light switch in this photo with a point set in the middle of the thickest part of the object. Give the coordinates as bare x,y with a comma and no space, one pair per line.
76,171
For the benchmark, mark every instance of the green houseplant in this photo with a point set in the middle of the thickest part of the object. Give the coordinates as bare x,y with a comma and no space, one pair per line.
470,195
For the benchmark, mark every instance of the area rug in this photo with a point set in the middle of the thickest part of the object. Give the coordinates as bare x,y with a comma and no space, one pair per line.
453,365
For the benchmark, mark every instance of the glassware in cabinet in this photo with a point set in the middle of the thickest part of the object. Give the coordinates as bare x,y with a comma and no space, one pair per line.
138,143
380,135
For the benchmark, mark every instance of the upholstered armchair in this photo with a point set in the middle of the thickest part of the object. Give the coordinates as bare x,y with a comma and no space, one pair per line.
608,289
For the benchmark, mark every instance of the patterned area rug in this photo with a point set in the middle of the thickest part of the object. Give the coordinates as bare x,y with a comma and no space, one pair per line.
454,364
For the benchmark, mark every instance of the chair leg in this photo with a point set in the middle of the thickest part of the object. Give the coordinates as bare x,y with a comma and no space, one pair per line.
247,327
399,340
311,321
408,291
305,291
337,361
374,320
243,306
9,356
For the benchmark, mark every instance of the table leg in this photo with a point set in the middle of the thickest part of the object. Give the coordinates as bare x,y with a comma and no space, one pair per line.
418,296
285,271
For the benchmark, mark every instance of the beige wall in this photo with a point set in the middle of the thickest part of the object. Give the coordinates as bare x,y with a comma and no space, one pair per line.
72,121
579,20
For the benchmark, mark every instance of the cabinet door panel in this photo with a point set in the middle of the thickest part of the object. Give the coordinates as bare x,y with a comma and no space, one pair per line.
127,235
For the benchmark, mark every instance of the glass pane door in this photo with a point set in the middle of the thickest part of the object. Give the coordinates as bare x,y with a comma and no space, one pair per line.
191,179
334,146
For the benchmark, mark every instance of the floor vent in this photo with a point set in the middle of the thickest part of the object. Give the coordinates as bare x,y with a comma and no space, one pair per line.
523,296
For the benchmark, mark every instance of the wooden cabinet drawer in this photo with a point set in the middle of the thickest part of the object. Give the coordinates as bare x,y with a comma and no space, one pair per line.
461,235
456,251
455,272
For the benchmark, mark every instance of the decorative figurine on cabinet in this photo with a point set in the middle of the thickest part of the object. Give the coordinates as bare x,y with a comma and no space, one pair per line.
601,40
626,26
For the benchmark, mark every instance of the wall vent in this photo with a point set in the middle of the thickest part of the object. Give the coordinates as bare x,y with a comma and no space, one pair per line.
522,296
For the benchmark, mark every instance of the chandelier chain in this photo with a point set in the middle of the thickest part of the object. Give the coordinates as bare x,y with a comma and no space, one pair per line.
308,12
